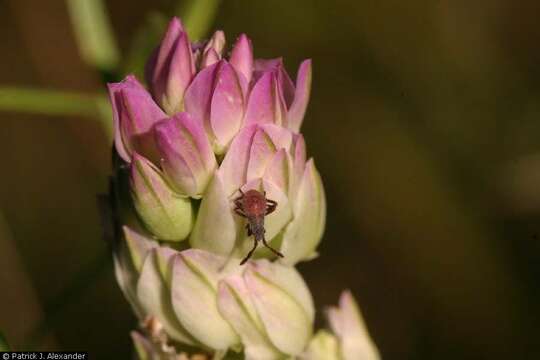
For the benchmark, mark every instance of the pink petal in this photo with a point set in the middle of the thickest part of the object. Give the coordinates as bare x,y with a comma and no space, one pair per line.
134,114
278,170
265,104
266,65
284,80
242,57
280,136
174,30
261,152
286,85
170,84
199,94
301,96
234,166
227,107
187,157
210,57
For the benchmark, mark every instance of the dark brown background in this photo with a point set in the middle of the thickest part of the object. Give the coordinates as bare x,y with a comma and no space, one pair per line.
424,123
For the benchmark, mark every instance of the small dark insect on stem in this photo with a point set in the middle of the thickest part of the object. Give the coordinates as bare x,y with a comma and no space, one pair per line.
254,206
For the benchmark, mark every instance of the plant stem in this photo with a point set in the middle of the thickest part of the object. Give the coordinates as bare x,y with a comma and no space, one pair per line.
198,17
94,34
54,102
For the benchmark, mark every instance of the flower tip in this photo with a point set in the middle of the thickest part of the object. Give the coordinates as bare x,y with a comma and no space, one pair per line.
243,45
131,78
346,298
175,26
265,105
217,42
348,325
128,80
243,38
138,245
301,95
242,57
306,63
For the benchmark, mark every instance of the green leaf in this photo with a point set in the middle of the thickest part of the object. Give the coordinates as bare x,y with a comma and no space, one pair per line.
94,34
54,102
3,343
198,17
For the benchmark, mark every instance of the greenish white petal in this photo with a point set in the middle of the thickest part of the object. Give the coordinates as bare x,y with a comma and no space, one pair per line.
194,297
214,229
165,213
138,245
286,322
347,323
304,232
323,346
235,305
155,299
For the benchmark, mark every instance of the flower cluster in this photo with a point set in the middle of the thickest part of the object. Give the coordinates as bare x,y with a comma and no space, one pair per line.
263,308
209,128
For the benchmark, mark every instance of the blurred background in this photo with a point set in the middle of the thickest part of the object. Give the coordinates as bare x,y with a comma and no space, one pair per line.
424,122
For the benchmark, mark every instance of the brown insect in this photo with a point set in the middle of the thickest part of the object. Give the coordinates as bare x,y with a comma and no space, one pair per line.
254,206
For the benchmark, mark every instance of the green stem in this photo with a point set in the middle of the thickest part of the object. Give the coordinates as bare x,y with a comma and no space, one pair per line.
3,343
54,102
198,17
94,34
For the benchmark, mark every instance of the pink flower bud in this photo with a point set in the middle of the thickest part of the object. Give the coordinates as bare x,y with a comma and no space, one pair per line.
187,158
173,68
134,115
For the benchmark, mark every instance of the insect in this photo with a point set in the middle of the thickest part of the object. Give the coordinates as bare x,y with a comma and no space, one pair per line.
254,206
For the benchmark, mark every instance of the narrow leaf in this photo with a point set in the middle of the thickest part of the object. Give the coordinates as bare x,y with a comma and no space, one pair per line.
3,343
94,34
198,17
55,102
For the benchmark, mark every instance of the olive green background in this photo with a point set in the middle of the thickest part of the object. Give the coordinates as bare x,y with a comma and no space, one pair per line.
425,125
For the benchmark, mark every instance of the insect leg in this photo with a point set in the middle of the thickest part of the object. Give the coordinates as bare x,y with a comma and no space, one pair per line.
270,209
270,206
271,248
239,211
238,202
249,253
